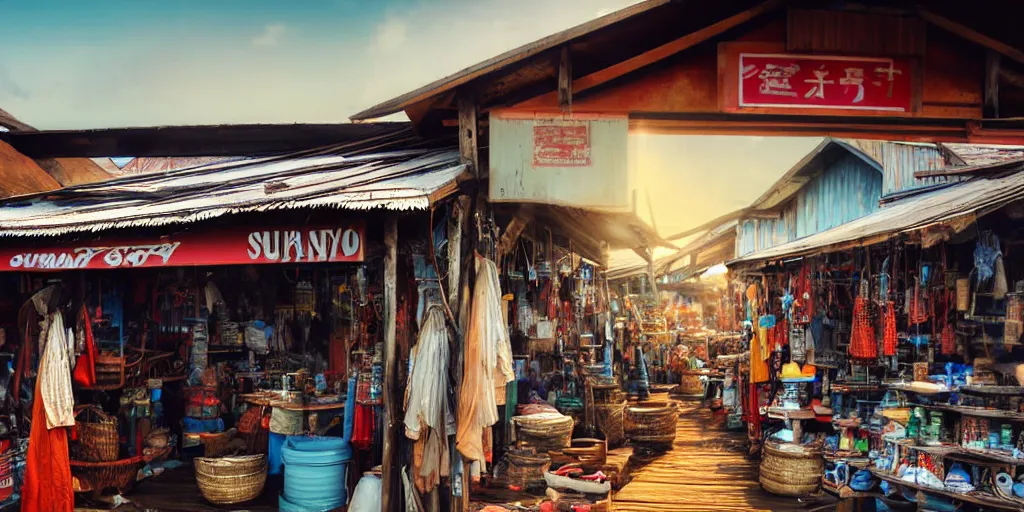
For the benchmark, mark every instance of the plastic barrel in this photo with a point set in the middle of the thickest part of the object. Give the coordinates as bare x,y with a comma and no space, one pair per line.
274,444
315,472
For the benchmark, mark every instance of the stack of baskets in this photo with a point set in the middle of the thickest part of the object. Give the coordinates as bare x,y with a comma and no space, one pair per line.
609,405
789,469
231,480
544,431
651,424
589,454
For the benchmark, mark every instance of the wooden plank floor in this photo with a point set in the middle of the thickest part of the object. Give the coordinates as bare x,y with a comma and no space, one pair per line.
707,470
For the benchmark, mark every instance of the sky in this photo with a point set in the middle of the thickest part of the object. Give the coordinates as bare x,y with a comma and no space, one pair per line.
69,64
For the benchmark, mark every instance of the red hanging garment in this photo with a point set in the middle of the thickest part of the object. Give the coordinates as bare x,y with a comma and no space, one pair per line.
948,340
862,339
47,484
889,332
85,365
362,429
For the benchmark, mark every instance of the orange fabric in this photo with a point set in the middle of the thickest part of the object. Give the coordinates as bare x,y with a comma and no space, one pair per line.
47,485
758,365
85,366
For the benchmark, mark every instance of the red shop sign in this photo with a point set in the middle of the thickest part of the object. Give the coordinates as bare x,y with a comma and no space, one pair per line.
561,145
810,81
238,246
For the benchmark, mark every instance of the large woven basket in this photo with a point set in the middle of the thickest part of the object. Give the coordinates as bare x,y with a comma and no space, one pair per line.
609,420
543,432
97,435
231,479
589,454
97,476
651,423
789,469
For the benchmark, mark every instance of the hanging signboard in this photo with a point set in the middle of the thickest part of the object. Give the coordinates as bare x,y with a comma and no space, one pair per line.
577,159
779,80
236,246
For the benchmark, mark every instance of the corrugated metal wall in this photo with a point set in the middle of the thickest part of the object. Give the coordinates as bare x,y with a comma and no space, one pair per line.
901,160
848,190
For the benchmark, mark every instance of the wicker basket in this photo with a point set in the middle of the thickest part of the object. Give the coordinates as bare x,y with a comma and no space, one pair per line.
231,479
97,476
589,454
789,469
543,432
97,435
218,444
691,385
609,420
651,423
526,469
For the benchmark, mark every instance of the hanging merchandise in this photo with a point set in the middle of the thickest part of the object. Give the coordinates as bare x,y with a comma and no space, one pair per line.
986,252
488,362
426,415
889,336
48,484
55,374
948,338
862,340
85,367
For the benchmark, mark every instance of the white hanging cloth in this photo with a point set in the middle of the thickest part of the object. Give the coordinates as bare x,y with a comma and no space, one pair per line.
427,413
55,376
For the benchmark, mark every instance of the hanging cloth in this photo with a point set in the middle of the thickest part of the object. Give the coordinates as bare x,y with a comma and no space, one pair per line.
427,409
889,330
488,362
48,469
85,367
758,365
55,377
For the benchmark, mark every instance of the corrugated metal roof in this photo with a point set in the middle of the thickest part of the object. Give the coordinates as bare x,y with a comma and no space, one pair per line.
913,213
985,154
394,180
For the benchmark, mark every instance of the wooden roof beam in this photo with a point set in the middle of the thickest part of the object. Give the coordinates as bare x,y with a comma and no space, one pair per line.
971,34
666,50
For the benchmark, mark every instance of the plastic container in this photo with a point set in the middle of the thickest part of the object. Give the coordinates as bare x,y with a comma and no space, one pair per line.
315,471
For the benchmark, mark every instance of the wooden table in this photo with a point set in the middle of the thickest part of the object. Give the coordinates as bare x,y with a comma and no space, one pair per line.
795,417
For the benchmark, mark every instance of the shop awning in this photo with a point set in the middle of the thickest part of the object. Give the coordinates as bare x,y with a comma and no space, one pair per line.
951,205
409,179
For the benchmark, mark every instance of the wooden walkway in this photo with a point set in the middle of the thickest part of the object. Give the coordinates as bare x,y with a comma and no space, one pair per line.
707,470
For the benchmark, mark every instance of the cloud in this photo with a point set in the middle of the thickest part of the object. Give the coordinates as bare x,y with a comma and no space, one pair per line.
10,87
392,35
272,33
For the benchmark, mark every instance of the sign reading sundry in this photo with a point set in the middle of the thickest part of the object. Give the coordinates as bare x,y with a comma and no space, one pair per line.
220,247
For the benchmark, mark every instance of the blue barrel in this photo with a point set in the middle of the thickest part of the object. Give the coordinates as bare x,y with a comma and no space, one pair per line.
315,472
275,443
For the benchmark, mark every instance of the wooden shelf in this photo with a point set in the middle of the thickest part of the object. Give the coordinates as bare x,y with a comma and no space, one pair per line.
985,500
968,454
791,414
993,390
980,412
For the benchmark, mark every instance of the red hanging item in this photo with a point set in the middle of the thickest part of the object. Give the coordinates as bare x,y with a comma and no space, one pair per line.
948,340
889,332
47,468
362,428
85,365
862,339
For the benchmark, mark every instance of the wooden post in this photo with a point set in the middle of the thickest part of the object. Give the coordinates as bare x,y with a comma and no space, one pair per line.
468,133
390,495
565,80
992,61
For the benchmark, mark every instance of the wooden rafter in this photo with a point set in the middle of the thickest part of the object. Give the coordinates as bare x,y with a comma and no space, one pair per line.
971,34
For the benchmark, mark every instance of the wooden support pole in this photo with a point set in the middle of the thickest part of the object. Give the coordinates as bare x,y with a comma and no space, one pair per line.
390,481
468,128
992,61
565,80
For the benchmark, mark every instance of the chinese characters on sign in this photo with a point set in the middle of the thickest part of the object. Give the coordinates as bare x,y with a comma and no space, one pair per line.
808,81
221,247
561,145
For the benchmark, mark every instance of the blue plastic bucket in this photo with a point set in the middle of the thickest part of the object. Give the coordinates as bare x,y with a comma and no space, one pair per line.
274,445
315,472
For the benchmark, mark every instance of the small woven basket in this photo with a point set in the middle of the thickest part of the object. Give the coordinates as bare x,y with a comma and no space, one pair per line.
97,435
589,454
543,432
526,469
231,480
609,420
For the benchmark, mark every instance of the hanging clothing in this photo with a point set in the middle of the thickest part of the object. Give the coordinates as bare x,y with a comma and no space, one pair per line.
488,362
85,367
48,469
758,357
55,377
427,402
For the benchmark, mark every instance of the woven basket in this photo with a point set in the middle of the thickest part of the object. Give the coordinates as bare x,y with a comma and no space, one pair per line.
97,435
589,454
543,432
609,420
526,469
217,445
651,423
791,470
900,415
691,385
231,479
97,476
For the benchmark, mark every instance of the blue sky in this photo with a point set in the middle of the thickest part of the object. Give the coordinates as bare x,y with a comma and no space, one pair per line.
101,63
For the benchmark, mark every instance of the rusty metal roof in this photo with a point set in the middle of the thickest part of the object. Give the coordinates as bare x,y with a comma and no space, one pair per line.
955,202
407,179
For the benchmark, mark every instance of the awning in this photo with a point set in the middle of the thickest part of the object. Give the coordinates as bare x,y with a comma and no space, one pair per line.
955,203
409,179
